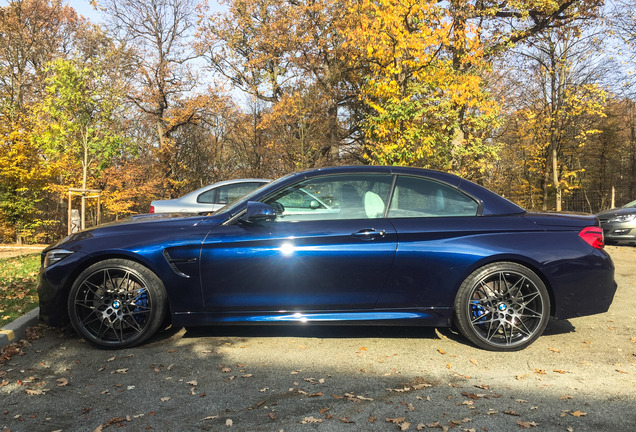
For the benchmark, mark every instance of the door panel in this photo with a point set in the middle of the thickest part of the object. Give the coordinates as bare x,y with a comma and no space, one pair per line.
307,265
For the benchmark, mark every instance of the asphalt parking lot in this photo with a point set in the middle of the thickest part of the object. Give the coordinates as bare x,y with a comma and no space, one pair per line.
580,376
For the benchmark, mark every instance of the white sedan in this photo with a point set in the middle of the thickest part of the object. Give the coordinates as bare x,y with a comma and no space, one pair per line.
209,198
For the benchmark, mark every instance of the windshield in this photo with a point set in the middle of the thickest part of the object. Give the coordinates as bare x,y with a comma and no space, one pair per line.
631,204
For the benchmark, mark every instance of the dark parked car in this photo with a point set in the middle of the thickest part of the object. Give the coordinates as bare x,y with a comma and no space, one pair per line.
619,224
361,245
209,198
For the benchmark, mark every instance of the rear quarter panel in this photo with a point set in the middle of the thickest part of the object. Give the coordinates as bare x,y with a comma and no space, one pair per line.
434,256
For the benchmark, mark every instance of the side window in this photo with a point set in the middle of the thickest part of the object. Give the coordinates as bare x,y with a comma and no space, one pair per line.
419,197
226,194
333,197
207,197
230,193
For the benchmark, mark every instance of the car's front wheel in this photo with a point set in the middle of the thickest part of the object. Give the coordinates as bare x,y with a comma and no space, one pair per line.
117,303
502,307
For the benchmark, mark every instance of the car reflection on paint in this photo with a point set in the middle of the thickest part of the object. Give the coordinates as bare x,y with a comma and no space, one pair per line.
209,198
345,245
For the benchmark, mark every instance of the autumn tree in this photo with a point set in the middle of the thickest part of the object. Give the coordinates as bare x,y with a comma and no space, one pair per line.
76,120
206,151
558,102
165,88
275,51
24,180
609,158
428,62
32,33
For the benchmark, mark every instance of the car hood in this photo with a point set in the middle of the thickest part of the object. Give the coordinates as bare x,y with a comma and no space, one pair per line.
616,212
141,226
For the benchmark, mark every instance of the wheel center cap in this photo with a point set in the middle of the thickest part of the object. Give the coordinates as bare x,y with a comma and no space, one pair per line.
116,304
502,307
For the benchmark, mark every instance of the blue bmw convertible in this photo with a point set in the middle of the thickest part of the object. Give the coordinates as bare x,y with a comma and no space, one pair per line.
347,245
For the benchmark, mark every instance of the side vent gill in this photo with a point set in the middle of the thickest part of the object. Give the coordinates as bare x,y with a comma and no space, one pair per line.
180,265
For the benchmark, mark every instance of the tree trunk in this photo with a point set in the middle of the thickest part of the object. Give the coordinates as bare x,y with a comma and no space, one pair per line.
84,178
546,184
334,140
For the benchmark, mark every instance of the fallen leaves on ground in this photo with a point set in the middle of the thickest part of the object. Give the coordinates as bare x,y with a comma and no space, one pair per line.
476,396
352,397
444,428
396,420
526,425
312,419
113,421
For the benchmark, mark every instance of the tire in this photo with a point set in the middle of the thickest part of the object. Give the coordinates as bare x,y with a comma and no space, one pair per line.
502,307
117,303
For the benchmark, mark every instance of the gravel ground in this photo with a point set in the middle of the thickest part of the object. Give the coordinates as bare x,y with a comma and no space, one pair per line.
579,376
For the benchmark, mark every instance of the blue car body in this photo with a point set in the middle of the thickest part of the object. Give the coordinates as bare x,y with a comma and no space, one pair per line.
402,270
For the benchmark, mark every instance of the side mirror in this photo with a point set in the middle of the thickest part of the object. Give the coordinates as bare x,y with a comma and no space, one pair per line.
259,212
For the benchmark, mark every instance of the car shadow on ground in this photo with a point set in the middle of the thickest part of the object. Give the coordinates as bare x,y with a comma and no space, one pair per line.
554,327
557,327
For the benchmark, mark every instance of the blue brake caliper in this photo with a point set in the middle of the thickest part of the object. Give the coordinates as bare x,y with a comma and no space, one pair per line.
140,300
477,311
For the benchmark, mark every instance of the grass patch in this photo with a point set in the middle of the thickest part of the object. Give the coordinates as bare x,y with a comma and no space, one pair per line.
18,286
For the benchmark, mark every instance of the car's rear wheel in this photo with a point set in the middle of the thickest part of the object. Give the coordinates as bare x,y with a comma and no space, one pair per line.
117,303
502,307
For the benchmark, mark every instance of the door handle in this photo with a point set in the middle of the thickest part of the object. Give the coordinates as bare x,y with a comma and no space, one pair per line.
368,234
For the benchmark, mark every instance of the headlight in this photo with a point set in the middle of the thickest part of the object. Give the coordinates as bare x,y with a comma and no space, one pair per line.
623,218
55,256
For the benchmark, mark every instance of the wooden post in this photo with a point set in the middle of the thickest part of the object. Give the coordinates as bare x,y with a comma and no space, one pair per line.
85,194
613,197
69,212
83,222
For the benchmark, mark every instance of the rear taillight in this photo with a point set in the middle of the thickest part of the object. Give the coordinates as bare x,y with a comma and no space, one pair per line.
152,209
593,236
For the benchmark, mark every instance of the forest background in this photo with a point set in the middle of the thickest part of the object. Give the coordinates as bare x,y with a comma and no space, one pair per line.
531,98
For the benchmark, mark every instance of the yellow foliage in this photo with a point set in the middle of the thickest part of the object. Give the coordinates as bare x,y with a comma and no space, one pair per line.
425,60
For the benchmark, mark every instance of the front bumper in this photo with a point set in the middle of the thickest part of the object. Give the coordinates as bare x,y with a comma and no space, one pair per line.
53,308
54,285
619,232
